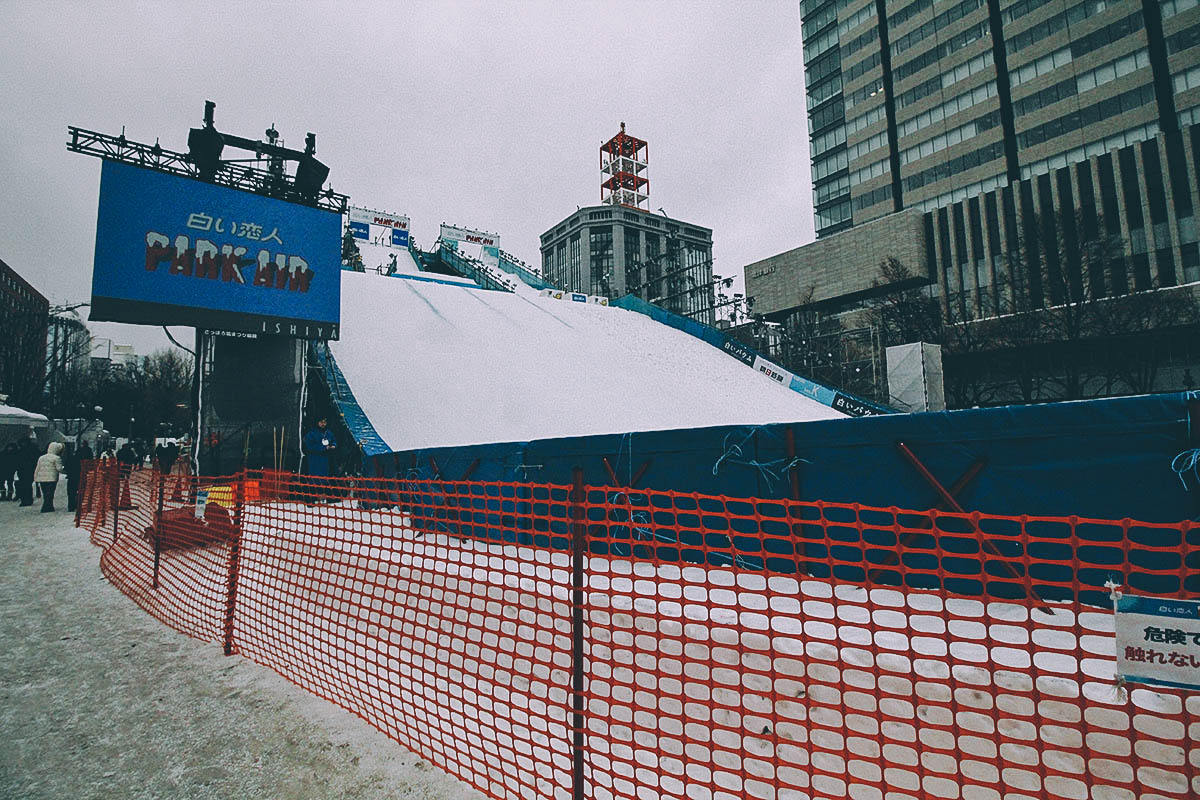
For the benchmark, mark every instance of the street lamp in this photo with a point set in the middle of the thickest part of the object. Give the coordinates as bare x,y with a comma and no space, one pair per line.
85,421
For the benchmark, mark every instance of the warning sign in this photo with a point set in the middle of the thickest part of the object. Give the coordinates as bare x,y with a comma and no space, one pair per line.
1158,641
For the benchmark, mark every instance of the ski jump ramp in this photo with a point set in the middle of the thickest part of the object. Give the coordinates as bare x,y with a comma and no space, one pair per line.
439,364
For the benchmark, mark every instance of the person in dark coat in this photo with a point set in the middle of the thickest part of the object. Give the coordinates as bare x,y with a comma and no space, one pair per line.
27,456
166,454
74,462
8,472
127,457
319,445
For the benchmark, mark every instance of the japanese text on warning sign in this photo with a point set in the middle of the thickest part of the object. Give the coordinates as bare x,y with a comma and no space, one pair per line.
1158,641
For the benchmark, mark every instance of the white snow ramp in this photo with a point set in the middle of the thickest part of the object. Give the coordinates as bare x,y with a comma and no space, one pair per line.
435,366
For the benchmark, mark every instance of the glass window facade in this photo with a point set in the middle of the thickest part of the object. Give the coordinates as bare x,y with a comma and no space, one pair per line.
600,259
934,48
560,265
575,264
951,15
1086,116
949,108
1060,22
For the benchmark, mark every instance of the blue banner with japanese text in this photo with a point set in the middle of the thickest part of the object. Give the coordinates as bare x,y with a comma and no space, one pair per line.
172,250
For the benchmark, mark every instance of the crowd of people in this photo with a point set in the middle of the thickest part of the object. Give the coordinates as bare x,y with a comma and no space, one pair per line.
27,471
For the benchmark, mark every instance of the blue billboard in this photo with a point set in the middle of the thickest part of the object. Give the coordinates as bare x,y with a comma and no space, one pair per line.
176,251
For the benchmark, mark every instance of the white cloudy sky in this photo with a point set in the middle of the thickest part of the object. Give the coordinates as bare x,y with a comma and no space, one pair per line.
483,114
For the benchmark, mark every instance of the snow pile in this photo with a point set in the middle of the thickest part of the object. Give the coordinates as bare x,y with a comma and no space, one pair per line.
12,415
434,365
701,682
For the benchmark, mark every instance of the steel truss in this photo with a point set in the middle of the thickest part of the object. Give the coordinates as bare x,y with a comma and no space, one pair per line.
234,175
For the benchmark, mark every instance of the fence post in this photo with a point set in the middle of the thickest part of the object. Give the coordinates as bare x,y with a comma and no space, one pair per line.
234,552
789,438
578,533
79,493
115,473
162,485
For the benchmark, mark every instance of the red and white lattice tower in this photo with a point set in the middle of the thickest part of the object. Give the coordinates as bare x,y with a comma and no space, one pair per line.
623,161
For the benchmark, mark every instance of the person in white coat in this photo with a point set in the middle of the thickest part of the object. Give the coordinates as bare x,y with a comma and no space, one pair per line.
46,473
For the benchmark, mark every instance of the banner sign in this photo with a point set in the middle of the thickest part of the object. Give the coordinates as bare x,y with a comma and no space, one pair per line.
370,217
738,351
361,220
855,408
772,371
575,297
452,233
178,251
1158,641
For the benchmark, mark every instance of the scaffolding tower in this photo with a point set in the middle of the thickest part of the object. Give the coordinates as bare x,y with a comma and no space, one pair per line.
623,160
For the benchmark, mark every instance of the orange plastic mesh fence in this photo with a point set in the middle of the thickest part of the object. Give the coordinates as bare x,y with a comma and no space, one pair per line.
549,641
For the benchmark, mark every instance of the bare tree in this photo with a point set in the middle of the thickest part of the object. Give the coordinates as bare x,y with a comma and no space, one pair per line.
969,349
68,351
811,342
1136,330
903,315
1074,330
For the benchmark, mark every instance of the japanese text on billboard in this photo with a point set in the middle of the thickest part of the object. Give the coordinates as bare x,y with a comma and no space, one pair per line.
177,251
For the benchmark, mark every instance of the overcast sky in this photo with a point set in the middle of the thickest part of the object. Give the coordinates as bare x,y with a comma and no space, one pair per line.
483,114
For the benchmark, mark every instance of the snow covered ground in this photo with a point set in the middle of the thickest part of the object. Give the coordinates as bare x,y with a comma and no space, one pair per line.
763,686
101,701
434,365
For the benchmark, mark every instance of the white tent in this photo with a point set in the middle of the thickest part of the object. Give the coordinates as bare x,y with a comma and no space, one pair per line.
17,423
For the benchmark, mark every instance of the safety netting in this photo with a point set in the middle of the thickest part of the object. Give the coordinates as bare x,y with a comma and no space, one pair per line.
541,640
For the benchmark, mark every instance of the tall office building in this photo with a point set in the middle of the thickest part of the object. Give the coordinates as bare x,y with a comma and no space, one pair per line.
1009,154
922,103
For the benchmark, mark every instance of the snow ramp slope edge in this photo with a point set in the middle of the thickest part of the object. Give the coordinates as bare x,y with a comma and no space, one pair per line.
433,365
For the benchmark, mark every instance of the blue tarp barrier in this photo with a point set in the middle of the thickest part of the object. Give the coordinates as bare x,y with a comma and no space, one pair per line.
364,433
1103,459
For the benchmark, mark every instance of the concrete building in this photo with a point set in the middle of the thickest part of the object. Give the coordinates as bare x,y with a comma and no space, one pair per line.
921,103
24,319
969,250
620,247
106,355
612,250
988,145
